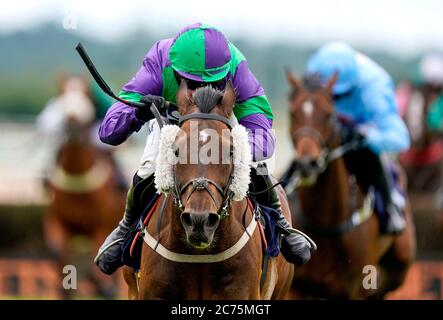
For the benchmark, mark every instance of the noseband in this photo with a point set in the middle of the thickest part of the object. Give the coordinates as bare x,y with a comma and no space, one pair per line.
328,152
326,145
202,183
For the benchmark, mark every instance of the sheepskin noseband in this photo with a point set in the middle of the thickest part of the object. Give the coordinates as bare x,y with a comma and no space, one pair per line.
242,158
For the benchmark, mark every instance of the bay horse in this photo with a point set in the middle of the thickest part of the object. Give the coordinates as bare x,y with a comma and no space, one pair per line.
84,200
329,203
423,162
202,241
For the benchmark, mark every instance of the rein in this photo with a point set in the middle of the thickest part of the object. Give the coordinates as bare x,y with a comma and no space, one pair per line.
327,154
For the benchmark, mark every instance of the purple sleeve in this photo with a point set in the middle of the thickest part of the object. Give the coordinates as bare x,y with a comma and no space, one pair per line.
148,79
120,120
246,84
119,123
261,136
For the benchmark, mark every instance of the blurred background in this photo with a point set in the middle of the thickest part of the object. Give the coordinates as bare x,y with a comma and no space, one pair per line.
37,40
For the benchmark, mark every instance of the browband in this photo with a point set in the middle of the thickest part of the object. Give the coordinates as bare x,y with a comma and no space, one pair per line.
208,116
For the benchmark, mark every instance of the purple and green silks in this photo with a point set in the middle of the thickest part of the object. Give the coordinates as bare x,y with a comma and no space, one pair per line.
156,77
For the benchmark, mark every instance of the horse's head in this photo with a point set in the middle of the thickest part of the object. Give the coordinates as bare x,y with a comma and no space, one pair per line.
203,179
313,123
75,106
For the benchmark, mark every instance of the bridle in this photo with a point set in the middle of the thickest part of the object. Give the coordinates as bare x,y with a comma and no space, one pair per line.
203,183
329,152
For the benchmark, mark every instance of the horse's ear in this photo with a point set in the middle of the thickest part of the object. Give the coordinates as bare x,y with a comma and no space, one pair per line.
331,82
293,81
183,97
228,99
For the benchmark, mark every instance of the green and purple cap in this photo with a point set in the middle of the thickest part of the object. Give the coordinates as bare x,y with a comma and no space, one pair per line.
200,53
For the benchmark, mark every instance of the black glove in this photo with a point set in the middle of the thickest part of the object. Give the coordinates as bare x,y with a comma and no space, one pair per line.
349,133
172,114
145,113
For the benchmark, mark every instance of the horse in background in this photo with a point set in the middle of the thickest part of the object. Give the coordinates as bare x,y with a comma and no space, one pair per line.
423,162
85,203
328,202
189,240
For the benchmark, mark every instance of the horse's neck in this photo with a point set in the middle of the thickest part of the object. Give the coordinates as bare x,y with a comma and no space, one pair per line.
327,201
76,158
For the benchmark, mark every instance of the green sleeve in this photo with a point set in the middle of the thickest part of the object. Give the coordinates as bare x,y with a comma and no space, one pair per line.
259,104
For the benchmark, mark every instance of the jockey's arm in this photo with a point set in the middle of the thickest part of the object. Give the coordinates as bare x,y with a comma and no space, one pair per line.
260,135
384,129
122,120
253,110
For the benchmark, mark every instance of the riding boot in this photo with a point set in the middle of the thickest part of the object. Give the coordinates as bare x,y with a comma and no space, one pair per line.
396,222
370,171
294,247
109,257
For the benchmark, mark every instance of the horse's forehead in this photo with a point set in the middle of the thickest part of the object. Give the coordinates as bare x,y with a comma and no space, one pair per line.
308,108
311,105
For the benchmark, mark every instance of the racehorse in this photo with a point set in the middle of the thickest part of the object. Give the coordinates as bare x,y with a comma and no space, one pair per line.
84,199
202,241
423,162
328,202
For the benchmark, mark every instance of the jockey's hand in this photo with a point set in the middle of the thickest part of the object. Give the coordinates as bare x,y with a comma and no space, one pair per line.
358,137
352,135
145,112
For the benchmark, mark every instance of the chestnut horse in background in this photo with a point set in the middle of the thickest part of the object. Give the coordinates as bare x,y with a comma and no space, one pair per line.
423,162
84,199
327,200
197,226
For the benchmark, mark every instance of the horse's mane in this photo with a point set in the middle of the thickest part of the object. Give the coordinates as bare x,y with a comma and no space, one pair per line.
206,98
312,82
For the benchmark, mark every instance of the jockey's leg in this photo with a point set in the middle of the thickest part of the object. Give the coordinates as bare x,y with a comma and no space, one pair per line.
108,258
294,247
370,171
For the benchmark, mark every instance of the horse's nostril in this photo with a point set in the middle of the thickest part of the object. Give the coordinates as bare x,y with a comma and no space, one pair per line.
213,220
186,219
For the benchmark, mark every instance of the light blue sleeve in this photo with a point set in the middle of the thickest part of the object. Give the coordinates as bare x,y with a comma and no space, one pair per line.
383,127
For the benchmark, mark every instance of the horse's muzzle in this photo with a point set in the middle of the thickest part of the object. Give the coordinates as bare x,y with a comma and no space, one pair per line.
200,228
307,167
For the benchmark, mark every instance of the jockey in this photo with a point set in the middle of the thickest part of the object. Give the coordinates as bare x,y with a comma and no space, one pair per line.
51,121
431,71
199,55
364,96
